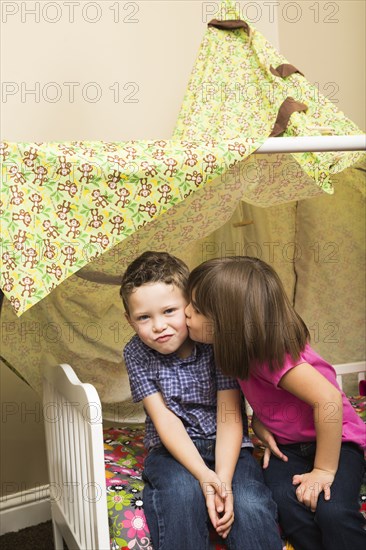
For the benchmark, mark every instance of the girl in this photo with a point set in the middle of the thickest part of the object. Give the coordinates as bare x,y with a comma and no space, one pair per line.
301,415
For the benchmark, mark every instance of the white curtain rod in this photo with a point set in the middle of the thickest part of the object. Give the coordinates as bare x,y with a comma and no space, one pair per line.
313,144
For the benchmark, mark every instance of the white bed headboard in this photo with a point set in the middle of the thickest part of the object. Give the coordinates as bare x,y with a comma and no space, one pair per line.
74,438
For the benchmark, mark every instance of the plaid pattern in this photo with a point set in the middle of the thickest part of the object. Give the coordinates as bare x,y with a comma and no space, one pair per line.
188,386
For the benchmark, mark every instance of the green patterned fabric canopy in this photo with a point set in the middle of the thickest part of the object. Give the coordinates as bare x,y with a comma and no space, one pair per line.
92,206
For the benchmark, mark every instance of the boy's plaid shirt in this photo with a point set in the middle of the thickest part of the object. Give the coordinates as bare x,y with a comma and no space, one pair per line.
189,387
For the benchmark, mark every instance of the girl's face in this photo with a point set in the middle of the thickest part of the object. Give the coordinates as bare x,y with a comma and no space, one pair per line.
200,328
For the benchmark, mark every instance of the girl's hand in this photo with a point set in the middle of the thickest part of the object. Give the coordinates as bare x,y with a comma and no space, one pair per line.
311,485
268,441
225,509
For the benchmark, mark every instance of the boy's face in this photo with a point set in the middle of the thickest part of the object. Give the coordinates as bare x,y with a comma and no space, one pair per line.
156,313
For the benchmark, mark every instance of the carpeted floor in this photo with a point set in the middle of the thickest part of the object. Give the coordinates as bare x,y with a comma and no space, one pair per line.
37,537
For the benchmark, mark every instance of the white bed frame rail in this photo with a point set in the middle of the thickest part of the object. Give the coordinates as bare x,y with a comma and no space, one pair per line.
74,437
350,368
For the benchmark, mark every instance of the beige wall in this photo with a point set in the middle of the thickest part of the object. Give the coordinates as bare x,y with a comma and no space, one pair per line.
328,45
23,463
146,55
122,77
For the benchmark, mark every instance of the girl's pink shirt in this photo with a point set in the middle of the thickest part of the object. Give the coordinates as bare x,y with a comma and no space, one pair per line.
287,417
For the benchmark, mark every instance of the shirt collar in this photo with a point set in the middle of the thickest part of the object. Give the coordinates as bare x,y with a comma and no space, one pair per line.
196,352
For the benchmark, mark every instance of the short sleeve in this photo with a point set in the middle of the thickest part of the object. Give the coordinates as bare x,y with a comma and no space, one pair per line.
225,382
274,377
140,372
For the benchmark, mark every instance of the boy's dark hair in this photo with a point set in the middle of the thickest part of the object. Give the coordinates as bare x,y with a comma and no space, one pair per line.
253,320
153,267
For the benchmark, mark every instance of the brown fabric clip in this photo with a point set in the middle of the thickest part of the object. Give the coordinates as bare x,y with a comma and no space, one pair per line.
284,70
288,107
230,25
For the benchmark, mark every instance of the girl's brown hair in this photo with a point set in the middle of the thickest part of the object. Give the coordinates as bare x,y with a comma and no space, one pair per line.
253,320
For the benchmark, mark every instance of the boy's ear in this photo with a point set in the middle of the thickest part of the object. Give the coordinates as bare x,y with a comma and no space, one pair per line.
128,319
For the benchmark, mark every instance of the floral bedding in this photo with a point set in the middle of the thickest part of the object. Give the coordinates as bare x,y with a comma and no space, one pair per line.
124,455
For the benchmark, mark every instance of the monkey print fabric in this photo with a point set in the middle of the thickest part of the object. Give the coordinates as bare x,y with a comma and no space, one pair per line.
64,205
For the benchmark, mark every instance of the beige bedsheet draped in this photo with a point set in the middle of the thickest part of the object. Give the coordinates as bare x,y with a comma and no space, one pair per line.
316,245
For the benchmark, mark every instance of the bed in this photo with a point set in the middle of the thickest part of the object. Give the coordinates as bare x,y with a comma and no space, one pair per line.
96,472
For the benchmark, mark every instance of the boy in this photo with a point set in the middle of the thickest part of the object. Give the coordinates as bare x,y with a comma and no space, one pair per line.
199,462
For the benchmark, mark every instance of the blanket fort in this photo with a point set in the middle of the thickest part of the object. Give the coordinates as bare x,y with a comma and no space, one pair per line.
65,205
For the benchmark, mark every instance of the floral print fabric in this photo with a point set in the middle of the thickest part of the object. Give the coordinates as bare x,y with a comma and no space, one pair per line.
124,454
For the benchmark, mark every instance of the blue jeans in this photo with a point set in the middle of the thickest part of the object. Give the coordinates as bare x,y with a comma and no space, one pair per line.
336,524
175,506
